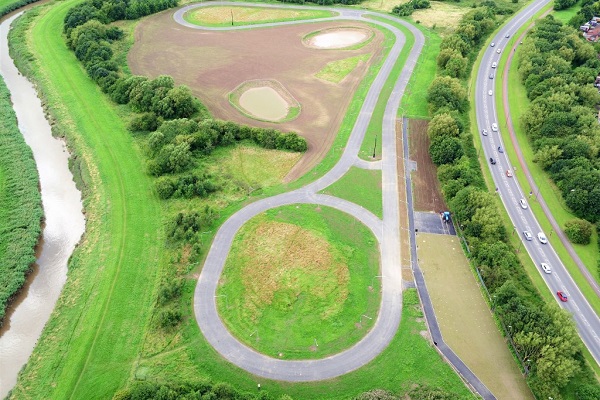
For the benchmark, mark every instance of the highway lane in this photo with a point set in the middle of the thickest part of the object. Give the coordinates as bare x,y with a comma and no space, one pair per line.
587,322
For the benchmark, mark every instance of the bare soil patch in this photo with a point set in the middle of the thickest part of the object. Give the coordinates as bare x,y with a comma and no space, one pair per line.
290,104
464,317
213,63
427,195
407,274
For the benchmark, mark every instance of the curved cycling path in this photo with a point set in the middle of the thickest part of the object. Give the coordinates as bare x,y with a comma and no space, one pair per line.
386,230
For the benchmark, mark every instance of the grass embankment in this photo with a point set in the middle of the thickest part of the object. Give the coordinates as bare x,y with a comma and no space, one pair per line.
336,71
96,331
298,279
222,16
360,186
20,204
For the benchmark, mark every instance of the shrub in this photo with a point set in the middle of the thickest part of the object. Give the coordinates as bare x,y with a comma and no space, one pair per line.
148,122
578,231
169,318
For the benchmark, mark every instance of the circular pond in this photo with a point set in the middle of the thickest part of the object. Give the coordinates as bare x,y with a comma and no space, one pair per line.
338,38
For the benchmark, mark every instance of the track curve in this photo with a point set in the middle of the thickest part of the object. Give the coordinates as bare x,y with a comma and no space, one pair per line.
386,231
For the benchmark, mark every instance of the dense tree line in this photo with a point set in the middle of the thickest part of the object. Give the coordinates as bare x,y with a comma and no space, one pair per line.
107,11
558,69
542,334
20,204
324,2
189,390
562,4
589,8
406,9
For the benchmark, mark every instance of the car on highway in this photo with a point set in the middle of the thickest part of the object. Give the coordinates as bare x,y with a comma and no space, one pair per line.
523,204
509,173
528,236
495,127
542,238
562,296
493,44
490,92
507,35
492,161
491,76
546,268
498,50
494,65
484,132
500,150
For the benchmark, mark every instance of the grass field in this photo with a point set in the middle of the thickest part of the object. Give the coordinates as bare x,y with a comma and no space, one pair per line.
224,15
253,165
414,103
360,186
97,328
441,16
565,15
297,281
336,71
474,336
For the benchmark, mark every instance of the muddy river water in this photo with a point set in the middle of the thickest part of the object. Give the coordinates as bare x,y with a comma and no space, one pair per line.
64,224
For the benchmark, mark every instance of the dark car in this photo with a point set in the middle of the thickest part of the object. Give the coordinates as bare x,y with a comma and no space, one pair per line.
492,161
562,296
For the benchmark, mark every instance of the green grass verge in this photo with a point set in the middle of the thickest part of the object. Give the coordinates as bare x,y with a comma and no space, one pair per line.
414,103
360,186
222,16
336,71
409,360
96,331
20,204
297,281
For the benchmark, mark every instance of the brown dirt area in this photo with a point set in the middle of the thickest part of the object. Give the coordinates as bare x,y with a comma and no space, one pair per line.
465,320
213,63
427,195
403,209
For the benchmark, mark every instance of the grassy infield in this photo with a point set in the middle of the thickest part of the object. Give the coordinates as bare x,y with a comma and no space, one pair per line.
97,339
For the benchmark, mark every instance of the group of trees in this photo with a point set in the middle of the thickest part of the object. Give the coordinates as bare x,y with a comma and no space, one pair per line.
107,11
10,7
589,8
558,69
172,147
543,334
406,9
189,391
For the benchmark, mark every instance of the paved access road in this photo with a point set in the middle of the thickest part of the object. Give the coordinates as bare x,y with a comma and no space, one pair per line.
386,230
511,193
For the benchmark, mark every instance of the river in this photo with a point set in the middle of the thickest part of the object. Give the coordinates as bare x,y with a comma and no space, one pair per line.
64,224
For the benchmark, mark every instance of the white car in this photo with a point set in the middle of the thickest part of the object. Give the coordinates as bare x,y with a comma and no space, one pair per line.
523,204
493,44
542,238
528,236
546,268
484,132
495,127
498,50
490,92
494,65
